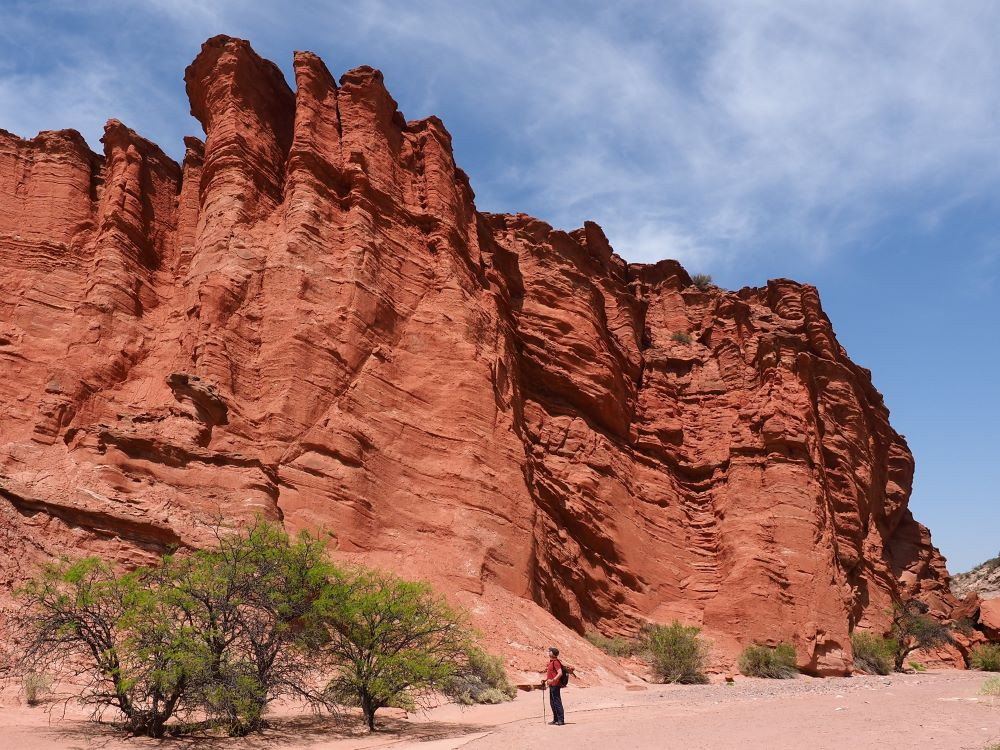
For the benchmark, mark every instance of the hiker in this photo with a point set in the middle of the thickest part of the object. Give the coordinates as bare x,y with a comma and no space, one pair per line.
555,680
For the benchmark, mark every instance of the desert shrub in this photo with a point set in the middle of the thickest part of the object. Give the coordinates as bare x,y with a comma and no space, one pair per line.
481,679
392,643
676,653
681,337
872,653
985,657
616,646
912,629
702,281
35,684
991,687
776,662
917,666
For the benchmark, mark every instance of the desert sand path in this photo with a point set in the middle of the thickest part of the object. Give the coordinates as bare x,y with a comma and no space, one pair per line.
932,711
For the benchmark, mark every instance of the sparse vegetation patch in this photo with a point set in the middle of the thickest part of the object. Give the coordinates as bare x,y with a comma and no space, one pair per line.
776,662
985,657
873,653
617,646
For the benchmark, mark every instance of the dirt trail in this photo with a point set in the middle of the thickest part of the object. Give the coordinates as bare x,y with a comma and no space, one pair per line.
932,711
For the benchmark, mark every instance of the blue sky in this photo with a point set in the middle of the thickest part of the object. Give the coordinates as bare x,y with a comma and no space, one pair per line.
852,145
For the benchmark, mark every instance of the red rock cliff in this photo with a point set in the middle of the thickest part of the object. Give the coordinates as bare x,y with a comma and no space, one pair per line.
310,320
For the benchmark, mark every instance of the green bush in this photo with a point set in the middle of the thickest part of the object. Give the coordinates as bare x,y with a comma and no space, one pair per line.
482,679
702,281
872,653
776,662
616,646
985,657
916,666
676,653
681,338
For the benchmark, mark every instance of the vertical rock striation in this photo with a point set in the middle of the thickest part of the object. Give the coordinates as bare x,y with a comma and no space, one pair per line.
310,321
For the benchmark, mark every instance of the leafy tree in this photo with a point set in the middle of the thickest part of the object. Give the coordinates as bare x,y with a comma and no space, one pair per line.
248,603
391,642
114,631
912,628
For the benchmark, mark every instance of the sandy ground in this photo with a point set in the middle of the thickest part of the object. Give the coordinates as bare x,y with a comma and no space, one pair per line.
935,710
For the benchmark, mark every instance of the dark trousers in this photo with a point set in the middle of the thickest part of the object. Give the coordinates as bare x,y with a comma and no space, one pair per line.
555,700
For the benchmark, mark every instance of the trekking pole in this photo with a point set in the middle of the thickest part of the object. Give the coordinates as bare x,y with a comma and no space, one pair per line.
543,703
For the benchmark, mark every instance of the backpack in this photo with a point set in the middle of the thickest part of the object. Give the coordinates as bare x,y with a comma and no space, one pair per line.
564,678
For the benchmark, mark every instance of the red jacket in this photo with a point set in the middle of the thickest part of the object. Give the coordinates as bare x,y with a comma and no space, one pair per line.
555,671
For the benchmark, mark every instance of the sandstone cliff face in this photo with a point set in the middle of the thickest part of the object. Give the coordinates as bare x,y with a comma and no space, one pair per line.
309,320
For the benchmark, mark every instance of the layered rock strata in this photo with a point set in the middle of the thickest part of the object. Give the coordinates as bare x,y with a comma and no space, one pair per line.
308,319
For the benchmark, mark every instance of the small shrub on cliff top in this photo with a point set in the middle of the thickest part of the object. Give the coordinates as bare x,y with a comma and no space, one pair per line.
873,654
681,337
776,662
676,653
616,646
985,657
702,281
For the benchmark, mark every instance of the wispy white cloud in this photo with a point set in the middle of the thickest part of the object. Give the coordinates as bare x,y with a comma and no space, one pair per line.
717,131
